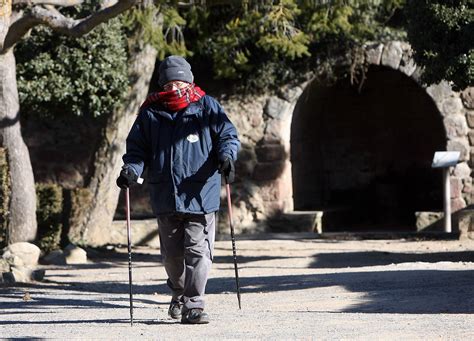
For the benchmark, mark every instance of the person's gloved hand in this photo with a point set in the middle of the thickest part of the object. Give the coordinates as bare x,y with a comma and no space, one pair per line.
126,178
226,167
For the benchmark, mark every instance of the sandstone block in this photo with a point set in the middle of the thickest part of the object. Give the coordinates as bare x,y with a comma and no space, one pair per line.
456,187
373,53
290,94
26,274
12,260
461,145
407,63
429,220
466,223
462,170
256,120
21,274
274,132
457,204
26,252
456,126
439,91
75,255
392,55
269,193
452,106
470,118
276,107
468,97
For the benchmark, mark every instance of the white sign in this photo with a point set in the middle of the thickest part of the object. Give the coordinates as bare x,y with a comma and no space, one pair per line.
445,159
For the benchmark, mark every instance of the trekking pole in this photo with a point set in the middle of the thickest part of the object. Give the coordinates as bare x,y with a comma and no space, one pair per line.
129,239
129,242
234,252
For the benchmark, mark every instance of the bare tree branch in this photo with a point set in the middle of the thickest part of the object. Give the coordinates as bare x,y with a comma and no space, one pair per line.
58,22
18,29
79,27
15,16
60,3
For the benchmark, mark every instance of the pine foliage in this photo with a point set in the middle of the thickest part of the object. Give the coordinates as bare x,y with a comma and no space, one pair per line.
442,34
262,44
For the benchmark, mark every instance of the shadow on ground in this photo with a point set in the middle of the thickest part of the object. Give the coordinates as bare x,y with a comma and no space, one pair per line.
417,291
406,292
374,258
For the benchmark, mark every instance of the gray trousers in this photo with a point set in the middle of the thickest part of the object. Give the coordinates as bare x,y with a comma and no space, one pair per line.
187,246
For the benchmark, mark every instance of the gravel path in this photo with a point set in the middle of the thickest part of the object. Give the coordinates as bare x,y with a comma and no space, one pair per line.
291,289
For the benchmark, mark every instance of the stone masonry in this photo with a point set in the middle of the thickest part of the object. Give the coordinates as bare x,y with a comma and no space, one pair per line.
264,185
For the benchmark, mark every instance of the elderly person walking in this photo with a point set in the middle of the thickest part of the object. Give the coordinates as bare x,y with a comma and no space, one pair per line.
186,141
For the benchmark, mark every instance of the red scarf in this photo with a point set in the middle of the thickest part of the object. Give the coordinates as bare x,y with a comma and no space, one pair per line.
175,100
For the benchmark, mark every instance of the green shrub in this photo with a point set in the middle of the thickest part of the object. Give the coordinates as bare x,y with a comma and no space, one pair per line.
75,200
49,213
4,197
60,75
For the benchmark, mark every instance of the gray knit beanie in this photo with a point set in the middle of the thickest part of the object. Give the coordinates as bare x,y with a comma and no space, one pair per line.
174,68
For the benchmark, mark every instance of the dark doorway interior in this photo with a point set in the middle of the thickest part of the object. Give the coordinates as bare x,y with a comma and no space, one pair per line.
365,158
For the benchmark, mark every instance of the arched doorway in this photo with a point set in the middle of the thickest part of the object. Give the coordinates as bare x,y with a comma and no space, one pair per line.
364,158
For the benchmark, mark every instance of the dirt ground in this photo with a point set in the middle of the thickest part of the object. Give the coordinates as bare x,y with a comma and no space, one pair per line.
292,288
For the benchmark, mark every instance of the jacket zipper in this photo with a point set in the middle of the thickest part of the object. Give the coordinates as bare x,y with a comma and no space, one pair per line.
173,124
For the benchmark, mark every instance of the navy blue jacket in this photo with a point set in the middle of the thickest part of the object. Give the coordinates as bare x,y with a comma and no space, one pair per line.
181,151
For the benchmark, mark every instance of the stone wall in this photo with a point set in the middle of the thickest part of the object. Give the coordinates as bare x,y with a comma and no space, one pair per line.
264,186
456,114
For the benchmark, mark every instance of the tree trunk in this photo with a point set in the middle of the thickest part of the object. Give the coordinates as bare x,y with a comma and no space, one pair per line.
100,201
5,15
22,217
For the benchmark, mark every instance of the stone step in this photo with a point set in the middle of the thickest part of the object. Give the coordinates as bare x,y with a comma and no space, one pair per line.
462,221
297,221
322,222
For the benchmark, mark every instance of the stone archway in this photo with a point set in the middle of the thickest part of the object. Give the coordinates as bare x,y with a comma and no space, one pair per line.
264,189
364,158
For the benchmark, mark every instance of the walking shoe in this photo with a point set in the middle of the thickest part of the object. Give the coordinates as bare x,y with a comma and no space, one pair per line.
195,316
174,310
